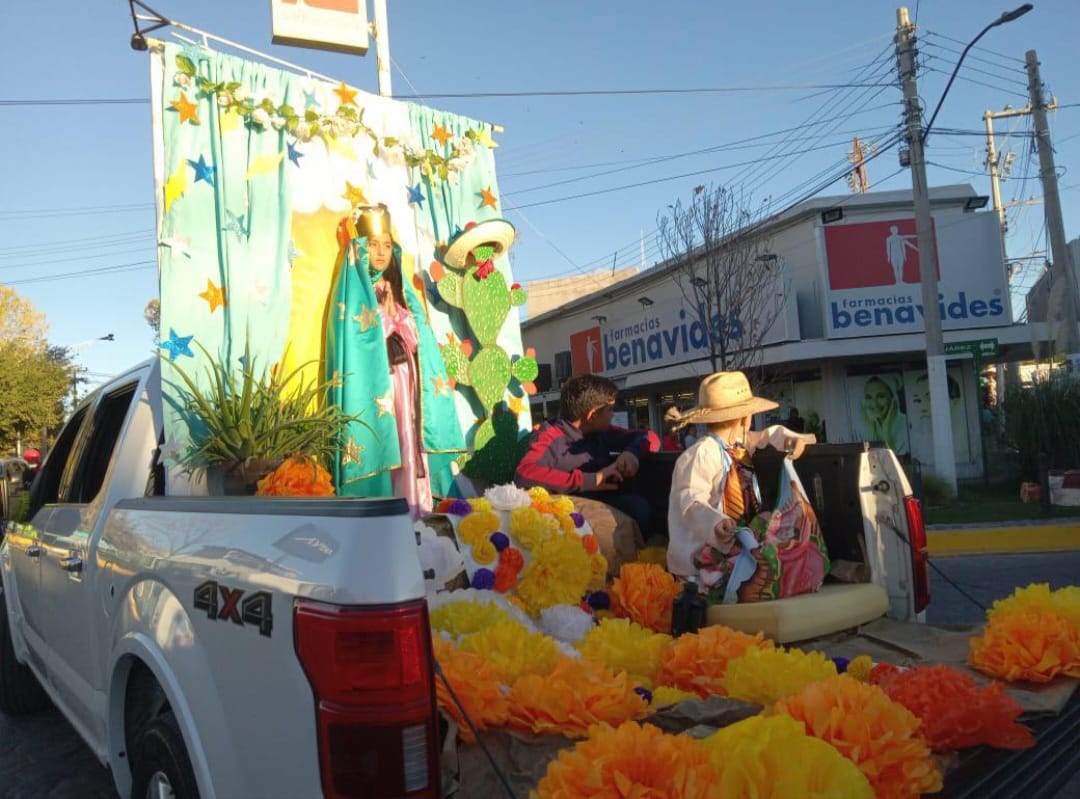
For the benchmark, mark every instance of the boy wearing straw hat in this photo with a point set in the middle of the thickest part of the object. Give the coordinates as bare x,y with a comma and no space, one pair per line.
714,491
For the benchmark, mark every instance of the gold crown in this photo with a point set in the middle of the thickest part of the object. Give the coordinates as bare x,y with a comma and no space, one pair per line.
372,220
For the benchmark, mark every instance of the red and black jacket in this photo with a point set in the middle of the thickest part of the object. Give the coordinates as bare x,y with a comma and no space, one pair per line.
563,459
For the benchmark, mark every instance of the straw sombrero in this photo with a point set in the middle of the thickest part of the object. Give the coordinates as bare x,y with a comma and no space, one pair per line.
497,232
724,396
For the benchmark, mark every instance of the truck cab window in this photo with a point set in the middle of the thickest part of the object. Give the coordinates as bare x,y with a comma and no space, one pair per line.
108,421
46,488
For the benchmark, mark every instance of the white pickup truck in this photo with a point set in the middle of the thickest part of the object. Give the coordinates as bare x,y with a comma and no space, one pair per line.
216,647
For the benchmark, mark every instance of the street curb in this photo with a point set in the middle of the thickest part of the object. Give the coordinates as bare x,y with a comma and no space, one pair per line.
1063,536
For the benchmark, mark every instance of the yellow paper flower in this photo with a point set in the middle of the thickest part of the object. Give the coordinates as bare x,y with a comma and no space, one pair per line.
1064,602
1027,644
477,686
624,646
484,552
540,493
631,761
599,565
573,697
559,574
772,757
530,527
645,593
513,650
656,555
479,503
666,695
880,736
563,504
466,616
477,526
697,661
765,675
859,668
566,524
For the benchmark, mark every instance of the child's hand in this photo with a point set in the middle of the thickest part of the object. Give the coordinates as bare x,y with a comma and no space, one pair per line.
608,478
626,464
724,531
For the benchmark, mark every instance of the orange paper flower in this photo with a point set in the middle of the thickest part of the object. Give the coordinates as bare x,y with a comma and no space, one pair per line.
878,735
297,477
955,711
630,762
572,698
644,593
477,686
1027,644
697,661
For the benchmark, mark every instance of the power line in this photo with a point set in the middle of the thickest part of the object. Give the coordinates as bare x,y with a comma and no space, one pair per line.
131,267
979,49
32,213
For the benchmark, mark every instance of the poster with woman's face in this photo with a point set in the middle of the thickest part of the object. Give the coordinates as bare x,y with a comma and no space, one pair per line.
876,403
917,388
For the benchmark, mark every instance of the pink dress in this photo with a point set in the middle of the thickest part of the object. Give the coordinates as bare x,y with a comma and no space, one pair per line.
411,480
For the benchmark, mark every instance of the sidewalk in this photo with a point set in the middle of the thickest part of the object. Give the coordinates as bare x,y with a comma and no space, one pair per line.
987,538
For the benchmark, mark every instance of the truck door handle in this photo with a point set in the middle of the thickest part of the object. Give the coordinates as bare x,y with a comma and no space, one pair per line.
71,564
33,552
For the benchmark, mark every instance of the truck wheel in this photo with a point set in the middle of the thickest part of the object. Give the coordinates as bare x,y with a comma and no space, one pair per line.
162,766
20,691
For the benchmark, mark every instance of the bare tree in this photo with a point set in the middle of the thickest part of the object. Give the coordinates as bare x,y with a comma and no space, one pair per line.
152,315
731,282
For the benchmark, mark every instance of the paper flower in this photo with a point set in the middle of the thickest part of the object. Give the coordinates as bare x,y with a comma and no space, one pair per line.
531,527
539,493
513,650
477,526
697,661
466,617
764,675
880,736
631,761
458,507
484,552
1064,602
599,565
297,477
579,520
772,757
500,541
568,623
860,668
622,645
479,503
559,573
955,711
507,497
476,684
1027,644
483,578
645,593
571,698
591,543
666,695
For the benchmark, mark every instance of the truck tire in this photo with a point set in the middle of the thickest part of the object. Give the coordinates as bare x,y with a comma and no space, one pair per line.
162,768
20,691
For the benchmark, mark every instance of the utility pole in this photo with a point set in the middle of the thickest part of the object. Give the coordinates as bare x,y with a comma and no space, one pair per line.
381,32
1063,278
940,417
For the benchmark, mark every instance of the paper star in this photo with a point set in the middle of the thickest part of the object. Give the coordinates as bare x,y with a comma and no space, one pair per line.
347,95
203,170
310,98
516,406
335,380
294,154
342,146
441,135
229,119
243,361
175,187
487,199
441,385
354,194
234,223
260,293
341,311
351,452
262,164
178,244
451,340
293,253
416,195
385,404
485,138
214,295
367,318
177,345
189,111
169,451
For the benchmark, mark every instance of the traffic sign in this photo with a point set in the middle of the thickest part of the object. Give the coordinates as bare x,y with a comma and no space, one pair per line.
978,348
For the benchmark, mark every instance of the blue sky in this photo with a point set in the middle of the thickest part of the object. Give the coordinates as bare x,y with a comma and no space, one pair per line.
77,191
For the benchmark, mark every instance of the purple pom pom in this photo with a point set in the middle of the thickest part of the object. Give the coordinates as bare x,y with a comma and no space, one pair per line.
579,520
500,540
644,693
599,600
841,664
483,579
460,507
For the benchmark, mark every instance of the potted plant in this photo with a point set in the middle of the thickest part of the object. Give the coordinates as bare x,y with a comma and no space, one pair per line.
244,423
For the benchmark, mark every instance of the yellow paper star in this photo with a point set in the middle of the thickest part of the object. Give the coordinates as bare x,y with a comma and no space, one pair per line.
262,164
354,194
215,295
488,200
385,404
229,119
347,95
368,318
175,187
441,385
351,452
189,111
441,135
485,138
342,146
516,406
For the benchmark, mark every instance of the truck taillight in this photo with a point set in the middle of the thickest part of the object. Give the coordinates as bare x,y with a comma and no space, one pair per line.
920,566
370,669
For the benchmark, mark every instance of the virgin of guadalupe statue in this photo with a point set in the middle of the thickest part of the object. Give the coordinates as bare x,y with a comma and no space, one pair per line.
384,363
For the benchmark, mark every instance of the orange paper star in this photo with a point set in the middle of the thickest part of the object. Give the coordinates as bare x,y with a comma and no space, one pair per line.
347,95
488,200
354,194
215,295
441,135
189,111
516,406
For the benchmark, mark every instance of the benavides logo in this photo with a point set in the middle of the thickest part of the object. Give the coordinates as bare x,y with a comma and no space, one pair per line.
586,355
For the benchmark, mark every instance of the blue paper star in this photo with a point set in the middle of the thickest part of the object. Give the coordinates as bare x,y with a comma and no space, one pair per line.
234,223
415,195
243,361
203,170
294,251
177,345
294,154
310,100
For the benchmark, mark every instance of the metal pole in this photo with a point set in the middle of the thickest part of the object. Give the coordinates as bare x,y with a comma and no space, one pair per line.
940,418
381,32
1063,280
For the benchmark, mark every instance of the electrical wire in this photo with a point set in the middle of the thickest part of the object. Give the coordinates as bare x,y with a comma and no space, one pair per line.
34,213
104,270
977,48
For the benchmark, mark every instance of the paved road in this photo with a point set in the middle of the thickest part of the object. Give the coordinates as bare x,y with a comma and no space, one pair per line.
42,757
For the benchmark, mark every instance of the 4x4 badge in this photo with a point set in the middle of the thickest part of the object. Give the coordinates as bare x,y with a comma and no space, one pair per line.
254,609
